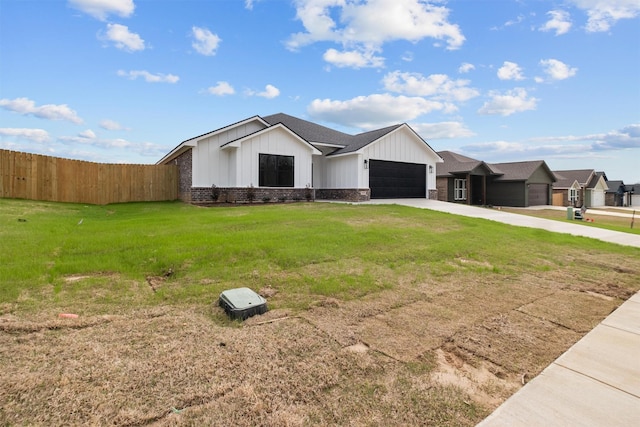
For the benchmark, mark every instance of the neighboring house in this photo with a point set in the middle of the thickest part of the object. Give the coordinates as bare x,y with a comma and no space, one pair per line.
635,196
580,187
620,194
284,157
462,179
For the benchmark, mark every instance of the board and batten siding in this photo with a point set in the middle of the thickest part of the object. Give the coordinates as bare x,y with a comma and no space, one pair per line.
214,166
277,142
341,172
399,146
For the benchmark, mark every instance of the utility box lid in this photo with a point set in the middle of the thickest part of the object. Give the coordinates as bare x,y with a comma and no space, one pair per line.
242,303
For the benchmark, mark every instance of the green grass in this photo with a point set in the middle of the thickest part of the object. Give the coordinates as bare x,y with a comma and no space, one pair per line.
312,250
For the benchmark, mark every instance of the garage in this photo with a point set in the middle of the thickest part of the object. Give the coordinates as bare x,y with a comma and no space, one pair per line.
397,180
538,194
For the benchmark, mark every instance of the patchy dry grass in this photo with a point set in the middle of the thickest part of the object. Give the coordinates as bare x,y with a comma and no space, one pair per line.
379,335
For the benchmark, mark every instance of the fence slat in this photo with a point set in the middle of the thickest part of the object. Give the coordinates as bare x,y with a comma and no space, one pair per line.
37,177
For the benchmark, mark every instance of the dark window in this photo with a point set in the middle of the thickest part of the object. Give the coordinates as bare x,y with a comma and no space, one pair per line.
276,171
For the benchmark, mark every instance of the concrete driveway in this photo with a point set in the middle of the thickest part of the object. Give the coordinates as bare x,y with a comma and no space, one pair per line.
577,229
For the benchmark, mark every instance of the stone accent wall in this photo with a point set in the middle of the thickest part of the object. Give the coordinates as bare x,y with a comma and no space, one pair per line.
184,162
348,194
205,195
433,195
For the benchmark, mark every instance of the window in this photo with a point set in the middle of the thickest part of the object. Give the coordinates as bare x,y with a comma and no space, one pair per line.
573,195
460,189
276,171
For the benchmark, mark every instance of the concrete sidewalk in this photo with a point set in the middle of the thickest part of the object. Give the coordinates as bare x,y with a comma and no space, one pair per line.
577,229
596,383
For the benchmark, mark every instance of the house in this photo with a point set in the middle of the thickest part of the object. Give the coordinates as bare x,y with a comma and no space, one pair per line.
619,194
579,187
462,179
283,157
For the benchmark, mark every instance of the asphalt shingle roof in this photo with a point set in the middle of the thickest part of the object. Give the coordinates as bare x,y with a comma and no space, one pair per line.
314,132
567,177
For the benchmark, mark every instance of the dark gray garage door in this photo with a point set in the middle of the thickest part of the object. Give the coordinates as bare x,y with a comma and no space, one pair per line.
538,194
394,180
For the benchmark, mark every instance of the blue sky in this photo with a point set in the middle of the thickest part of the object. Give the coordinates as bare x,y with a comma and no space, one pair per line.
127,80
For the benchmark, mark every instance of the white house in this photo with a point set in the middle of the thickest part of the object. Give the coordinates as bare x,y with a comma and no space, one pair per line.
284,157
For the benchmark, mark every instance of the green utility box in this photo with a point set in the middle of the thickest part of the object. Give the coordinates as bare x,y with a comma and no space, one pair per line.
242,303
569,212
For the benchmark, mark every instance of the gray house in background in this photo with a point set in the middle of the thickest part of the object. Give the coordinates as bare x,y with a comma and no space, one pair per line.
462,179
619,194
580,187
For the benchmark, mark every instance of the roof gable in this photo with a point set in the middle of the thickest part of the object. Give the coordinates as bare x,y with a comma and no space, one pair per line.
237,142
566,177
192,142
455,163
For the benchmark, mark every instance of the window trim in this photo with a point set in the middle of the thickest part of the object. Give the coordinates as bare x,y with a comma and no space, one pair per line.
574,195
459,189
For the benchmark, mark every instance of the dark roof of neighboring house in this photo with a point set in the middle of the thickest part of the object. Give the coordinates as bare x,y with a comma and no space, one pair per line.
614,185
521,171
315,133
455,163
567,177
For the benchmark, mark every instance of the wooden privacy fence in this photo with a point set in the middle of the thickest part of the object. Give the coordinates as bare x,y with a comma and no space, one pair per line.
36,177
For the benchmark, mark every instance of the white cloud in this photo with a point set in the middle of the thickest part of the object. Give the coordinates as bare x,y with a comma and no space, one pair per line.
26,106
353,59
87,134
510,71
148,77
373,111
35,135
407,56
559,22
438,86
110,125
556,70
566,147
269,92
602,14
221,89
122,38
365,26
442,130
101,9
205,42
513,101
465,67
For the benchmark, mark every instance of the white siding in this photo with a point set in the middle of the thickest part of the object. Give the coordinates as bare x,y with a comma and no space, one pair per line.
278,142
341,172
214,166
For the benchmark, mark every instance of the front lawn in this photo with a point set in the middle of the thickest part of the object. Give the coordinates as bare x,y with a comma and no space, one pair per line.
379,315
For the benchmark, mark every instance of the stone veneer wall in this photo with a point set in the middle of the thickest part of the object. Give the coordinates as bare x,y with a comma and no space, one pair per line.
205,195
184,162
433,194
349,194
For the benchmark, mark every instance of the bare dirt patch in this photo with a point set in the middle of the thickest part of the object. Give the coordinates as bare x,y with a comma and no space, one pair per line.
427,352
